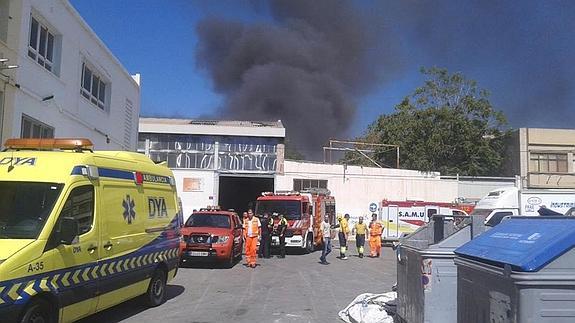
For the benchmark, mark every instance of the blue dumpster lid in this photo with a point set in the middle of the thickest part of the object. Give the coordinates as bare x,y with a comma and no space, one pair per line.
525,244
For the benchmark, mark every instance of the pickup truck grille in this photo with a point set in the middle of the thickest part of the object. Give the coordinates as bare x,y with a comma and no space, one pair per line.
199,239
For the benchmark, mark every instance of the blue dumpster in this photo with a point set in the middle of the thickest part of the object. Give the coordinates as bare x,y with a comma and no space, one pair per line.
522,270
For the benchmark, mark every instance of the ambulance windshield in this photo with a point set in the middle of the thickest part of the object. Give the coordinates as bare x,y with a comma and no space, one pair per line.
290,209
25,207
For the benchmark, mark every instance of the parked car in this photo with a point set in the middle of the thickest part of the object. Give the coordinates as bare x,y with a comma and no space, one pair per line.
212,235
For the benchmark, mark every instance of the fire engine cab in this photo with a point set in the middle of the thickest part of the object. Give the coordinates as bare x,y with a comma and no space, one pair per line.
304,212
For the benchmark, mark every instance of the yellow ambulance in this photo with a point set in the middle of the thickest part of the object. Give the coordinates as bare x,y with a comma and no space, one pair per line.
81,231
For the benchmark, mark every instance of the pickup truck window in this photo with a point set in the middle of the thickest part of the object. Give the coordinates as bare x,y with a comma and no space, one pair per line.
209,220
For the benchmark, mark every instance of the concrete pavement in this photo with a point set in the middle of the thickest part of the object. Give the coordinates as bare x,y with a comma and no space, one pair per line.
295,289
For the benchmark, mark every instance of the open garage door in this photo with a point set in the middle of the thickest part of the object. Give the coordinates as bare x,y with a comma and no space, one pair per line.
240,193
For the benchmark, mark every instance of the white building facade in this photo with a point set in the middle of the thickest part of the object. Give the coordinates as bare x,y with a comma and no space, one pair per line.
230,163
67,83
355,187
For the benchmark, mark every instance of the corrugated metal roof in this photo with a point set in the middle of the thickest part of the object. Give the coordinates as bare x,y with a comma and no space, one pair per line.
213,127
206,122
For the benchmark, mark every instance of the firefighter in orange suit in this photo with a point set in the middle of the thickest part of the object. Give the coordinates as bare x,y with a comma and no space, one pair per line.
252,232
375,231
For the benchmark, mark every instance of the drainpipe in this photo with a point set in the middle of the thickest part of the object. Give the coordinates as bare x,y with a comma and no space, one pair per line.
216,194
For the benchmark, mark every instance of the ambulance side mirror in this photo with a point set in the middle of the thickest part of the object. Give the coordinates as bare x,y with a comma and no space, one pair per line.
69,230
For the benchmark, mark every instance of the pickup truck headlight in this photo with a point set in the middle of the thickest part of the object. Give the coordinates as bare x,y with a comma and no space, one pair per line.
221,239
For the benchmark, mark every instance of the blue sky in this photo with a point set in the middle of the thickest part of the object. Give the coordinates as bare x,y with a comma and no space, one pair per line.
522,54
158,40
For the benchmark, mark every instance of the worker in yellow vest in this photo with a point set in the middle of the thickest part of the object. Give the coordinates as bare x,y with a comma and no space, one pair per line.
252,232
375,231
360,229
342,236
281,232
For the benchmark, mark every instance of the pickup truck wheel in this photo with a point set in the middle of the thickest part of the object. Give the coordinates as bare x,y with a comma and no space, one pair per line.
156,294
38,311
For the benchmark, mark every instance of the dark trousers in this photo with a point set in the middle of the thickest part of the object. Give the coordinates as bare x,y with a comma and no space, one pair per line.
265,246
326,248
360,242
342,243
282,246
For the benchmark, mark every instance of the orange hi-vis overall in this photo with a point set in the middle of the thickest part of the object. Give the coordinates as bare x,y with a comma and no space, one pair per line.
251,234
375,231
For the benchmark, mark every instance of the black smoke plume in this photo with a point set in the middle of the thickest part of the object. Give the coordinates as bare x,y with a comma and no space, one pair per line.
306,67
521,51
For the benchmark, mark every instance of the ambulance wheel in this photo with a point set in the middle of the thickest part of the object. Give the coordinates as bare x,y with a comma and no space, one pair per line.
38,311
156,294
309,247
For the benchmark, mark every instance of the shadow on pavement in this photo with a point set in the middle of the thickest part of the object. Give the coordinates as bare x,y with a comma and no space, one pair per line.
207,265
219,265
129,308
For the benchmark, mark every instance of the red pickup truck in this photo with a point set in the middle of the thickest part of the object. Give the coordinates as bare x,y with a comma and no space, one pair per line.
212,236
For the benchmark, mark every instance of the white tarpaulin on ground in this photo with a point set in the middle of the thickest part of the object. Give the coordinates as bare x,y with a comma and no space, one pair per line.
368,308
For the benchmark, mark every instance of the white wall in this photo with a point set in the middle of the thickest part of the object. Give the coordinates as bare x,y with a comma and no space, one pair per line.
354,191
68,112
361,186
8,50
200,198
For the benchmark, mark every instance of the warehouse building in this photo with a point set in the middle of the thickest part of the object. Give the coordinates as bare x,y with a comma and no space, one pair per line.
230,163
226,163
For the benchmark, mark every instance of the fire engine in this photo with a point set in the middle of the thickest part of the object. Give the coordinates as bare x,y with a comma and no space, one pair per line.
304,212
402,217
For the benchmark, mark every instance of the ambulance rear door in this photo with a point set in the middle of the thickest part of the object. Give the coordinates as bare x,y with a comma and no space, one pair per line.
430,211
391,218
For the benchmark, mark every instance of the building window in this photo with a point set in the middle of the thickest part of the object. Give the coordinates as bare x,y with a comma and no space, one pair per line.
32,128
42,45
93,87
548,163
303,184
